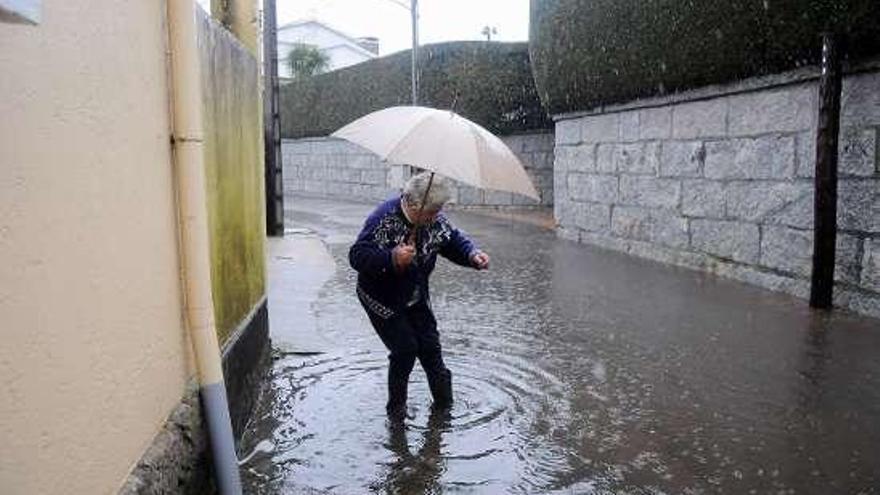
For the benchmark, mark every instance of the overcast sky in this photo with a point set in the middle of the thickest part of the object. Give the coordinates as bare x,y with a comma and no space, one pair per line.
440,20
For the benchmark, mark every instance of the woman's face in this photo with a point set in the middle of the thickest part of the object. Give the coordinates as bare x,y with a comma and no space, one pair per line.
428,215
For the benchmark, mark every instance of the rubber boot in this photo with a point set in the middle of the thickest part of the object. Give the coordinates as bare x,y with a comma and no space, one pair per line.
397,393
441,389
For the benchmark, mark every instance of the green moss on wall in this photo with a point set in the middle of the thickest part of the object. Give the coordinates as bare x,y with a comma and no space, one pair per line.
587,53
493,80
234,169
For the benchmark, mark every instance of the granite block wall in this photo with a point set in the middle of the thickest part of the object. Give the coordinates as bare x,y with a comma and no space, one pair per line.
535,151
721,180
331,167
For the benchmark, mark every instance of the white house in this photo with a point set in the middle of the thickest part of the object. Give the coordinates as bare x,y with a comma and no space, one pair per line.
341,49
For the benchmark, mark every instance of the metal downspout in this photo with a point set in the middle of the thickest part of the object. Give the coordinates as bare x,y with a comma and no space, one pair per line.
189,167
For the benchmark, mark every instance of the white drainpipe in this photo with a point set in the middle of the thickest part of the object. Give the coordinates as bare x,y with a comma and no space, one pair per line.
188,136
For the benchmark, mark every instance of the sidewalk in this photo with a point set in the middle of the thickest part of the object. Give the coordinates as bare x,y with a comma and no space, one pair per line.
298,265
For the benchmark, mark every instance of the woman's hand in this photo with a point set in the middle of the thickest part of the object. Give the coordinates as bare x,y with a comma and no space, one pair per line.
480,260
402,256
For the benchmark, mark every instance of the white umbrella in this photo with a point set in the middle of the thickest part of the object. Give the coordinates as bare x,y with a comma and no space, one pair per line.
442,142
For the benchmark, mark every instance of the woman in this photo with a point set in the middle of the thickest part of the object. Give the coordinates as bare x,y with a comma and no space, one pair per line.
394,256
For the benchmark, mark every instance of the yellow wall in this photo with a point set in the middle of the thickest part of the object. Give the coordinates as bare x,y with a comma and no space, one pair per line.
234,169
93,354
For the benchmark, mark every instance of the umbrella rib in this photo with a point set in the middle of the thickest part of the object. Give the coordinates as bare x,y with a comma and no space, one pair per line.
429,142
481,149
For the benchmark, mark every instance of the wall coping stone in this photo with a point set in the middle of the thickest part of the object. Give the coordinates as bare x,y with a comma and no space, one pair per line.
753,84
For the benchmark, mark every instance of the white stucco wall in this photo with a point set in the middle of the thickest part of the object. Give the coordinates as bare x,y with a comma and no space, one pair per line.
344,56
309,33
94,356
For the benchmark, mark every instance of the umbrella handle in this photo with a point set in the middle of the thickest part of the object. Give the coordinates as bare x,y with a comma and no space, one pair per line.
412,236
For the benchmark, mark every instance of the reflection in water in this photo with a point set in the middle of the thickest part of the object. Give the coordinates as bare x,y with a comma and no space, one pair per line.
578,371
419,472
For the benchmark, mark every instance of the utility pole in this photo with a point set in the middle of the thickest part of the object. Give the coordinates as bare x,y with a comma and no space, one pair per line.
825,196
274,185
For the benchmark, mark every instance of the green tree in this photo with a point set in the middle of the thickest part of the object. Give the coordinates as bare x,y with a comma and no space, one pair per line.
306,61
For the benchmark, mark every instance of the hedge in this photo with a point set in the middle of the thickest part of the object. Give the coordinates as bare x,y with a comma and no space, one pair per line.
587,53
493,81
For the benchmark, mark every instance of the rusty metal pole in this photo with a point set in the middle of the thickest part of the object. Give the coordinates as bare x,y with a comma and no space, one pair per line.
272,124
825,197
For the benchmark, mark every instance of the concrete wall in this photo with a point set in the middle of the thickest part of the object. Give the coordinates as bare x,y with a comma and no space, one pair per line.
234,167
336,168
94,354
720,180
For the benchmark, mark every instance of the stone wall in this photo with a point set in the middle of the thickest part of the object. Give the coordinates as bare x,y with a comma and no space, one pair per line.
721,180
535,151
331,167
177,460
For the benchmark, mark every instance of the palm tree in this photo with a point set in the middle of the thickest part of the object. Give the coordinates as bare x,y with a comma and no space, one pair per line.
306,61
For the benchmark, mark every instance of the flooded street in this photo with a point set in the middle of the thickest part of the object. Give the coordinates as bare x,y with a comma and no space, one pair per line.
575,370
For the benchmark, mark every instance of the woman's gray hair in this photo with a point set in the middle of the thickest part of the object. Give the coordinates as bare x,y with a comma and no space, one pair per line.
439,194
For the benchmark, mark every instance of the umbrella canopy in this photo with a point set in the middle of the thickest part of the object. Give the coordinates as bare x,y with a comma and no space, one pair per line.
443,142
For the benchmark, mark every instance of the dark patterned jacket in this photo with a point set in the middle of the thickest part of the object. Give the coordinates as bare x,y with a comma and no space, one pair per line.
380,288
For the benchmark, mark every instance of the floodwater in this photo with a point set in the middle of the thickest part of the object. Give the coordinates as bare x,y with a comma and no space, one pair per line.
579,371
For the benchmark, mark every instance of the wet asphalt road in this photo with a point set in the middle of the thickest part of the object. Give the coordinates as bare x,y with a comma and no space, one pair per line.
576,370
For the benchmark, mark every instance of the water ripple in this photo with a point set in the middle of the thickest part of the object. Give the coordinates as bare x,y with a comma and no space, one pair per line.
577,372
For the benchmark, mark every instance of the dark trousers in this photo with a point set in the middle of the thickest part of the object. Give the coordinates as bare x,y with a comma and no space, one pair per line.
411,334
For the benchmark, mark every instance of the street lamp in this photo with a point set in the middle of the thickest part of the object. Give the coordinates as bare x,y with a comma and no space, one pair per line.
413,8
414,11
